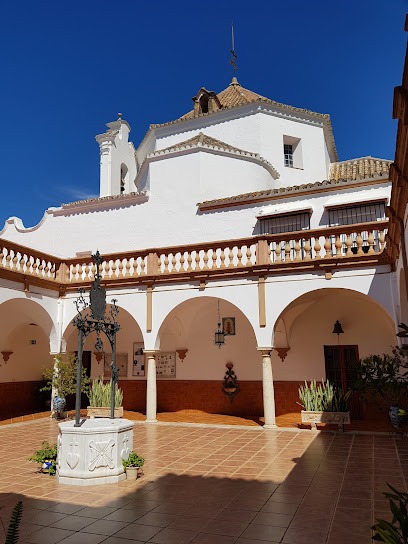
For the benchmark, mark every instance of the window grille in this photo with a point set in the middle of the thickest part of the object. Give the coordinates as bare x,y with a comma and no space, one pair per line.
288,153
280,224
350,215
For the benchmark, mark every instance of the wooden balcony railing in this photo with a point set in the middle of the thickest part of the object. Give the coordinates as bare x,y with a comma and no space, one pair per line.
348,245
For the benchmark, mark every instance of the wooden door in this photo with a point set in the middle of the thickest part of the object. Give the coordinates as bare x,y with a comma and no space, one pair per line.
339,361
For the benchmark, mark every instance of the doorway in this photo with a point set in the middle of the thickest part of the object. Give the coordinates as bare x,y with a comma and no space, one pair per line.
339,362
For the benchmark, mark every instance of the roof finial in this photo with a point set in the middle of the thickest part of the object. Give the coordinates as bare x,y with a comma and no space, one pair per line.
119,116
233,54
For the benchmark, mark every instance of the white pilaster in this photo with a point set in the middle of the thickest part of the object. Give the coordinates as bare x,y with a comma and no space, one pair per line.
151,390
268,389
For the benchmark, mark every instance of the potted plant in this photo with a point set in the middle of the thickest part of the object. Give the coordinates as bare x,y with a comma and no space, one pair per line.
61,378
133,466
46,456
382,380
324,403
99,397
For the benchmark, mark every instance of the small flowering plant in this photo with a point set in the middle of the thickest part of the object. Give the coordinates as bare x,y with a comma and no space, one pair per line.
134,460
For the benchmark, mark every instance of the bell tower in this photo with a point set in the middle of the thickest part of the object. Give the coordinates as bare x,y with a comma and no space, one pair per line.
117,159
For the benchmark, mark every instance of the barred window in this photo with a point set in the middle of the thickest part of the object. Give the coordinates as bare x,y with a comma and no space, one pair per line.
285,223
361,213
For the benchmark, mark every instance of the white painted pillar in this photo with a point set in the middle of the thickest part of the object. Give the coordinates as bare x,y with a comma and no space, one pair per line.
268,389
151,391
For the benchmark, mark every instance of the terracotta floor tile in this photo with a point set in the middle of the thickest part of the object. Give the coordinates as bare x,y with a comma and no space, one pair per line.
48,535
105,527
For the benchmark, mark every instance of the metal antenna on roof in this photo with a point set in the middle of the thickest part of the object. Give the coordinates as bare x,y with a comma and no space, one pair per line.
233,54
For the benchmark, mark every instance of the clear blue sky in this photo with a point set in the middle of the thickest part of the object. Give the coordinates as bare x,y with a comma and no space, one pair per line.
67,68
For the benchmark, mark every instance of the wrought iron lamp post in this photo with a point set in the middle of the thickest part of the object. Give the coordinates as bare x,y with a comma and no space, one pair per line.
92,317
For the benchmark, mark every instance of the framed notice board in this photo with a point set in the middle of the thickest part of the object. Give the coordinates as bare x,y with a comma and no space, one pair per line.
166,364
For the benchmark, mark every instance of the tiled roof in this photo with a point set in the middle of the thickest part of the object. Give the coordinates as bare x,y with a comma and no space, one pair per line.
233,95
354,169
370,169
207,142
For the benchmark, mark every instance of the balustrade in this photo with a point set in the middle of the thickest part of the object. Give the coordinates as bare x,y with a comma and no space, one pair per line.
270,250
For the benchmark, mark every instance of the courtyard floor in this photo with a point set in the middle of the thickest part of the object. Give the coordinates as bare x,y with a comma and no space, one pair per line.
208,485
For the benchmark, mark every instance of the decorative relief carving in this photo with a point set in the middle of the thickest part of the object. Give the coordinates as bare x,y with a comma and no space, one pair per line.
101,454
72,455
125,450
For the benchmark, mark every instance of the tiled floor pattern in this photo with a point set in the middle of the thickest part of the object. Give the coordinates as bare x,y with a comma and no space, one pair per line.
210,486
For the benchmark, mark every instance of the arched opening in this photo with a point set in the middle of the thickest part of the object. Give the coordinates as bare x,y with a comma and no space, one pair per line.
124,175
200,366
304,332
25,345
403,298
203,101
128,340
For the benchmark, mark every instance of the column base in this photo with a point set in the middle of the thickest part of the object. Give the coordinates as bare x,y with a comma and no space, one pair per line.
151,420
270,426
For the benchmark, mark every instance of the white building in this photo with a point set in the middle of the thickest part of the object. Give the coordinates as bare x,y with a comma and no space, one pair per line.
241,203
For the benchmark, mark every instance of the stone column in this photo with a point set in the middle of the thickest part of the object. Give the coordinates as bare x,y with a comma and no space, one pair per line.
151,392
268,390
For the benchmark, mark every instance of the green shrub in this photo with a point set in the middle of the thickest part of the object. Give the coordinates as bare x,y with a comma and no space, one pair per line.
100,394
62,376
134,460
46,453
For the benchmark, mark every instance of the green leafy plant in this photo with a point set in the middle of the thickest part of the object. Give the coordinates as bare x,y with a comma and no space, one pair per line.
14,524
100,394
382,379
62,376
47,453
396,531
134,460
323,397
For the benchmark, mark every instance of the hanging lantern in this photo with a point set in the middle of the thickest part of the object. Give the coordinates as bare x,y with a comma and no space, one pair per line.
219,337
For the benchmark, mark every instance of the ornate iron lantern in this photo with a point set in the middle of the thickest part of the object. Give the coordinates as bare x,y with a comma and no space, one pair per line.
93,317
219,336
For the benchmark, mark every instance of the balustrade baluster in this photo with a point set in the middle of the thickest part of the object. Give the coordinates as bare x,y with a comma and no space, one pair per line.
307,249
371,242
287,251
222,258
278,252
338,245
248,256
317,248
166,264
128,266
205,259
182,261
349,244
381,239
173,263
297,252
327,247
239,257
189,261
359,242
197,260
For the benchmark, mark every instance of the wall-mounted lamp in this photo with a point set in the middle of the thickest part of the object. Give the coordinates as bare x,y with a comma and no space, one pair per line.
6,355
219,337
338,329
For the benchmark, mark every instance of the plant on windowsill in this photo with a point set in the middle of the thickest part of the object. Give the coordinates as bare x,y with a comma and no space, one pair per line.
61,378
382,380
46,457
99,397
133,466
324,403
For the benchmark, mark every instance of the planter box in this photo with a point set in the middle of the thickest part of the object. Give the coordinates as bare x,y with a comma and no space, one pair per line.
104,411
339,418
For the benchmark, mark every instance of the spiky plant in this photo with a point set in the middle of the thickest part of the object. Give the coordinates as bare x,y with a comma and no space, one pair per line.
322,397
100,394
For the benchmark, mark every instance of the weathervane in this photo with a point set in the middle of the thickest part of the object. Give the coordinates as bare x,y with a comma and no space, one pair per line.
233,54
92,317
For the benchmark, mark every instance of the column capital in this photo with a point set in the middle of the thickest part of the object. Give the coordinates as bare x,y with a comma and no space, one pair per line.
265,350
151,352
